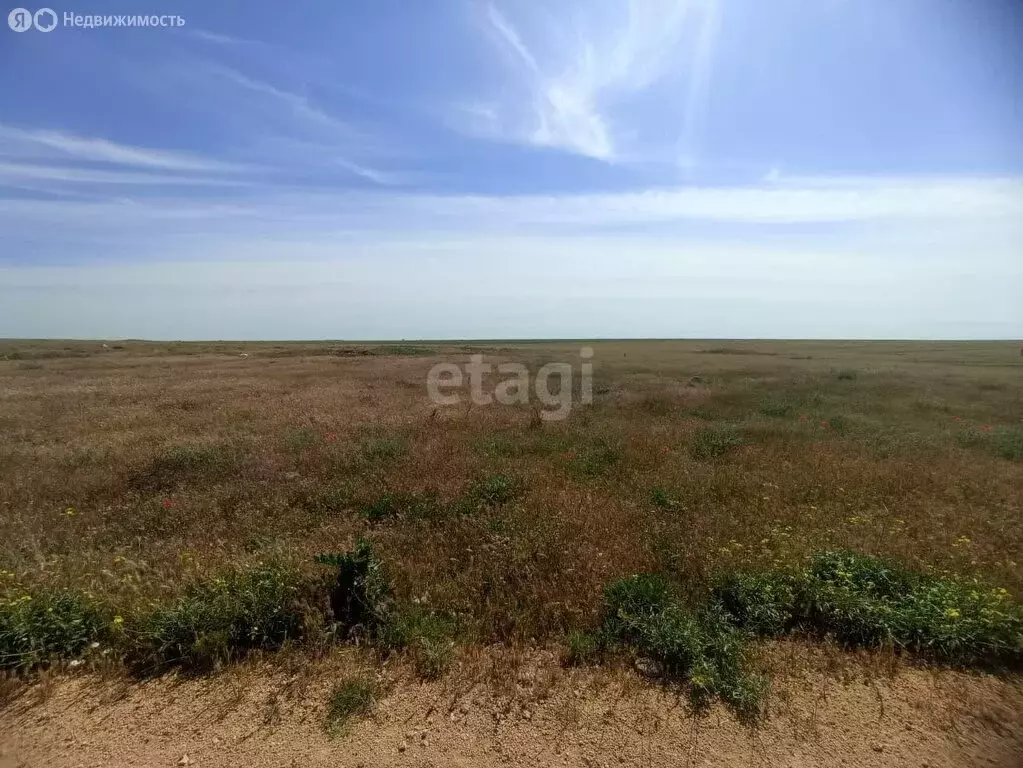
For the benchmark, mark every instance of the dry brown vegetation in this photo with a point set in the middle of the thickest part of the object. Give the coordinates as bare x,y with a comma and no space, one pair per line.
135,470
132,472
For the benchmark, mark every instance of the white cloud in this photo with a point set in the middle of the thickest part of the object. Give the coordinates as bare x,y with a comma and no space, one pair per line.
292,130
795,201
511,36
931,201
47,143
11,174
572,76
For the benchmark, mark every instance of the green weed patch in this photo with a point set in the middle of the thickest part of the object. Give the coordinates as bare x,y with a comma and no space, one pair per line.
872,602
219,620
50,625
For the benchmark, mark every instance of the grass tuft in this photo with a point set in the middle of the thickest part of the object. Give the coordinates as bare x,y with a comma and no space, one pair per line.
583,648
180,464
664,498
1008,443
349,698
383,450
596,460
717,440
329,500
301,439
776,408
427,637
494,490
416,506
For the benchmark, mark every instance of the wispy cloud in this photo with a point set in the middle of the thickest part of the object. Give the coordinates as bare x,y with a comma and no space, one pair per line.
12,173
300,131
787,201
49,143
218,38
924,204
575,76
298,106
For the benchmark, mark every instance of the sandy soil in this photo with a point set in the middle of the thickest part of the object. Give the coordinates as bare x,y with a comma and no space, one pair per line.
263,715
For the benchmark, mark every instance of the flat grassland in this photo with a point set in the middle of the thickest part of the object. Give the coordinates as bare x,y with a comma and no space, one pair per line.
137,473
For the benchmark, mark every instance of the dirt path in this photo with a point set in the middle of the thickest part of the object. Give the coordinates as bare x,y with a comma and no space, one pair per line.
266,716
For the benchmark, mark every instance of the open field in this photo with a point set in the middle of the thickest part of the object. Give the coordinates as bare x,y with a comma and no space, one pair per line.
167,500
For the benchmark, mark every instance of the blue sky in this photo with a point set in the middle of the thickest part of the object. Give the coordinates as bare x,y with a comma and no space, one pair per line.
470,169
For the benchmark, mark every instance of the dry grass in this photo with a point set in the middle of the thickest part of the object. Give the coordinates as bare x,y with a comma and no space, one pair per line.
134,471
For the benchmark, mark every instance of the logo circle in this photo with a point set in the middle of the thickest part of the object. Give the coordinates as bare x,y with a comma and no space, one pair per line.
41,23
20,20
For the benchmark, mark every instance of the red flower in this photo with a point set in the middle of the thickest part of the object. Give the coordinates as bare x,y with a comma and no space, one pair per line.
167,503
802,417
824,423
986,428
957,418
330,437
571,454
666,449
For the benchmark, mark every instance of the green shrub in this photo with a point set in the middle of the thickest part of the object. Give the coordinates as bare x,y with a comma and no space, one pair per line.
870,601
349,698
48,625
218,620
707,652
699,648
846,374
714,441
764,603
631,601
427,637
360,597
